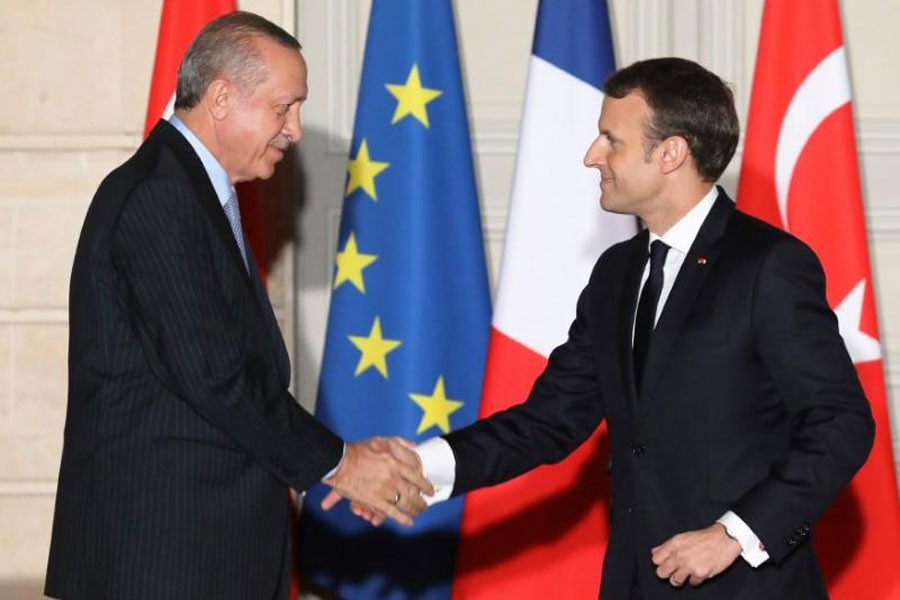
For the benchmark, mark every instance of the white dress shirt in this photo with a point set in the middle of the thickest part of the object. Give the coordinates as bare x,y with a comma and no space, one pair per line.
437,457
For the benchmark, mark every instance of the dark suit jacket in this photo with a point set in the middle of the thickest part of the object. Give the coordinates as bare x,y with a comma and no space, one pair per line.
181,436
749,403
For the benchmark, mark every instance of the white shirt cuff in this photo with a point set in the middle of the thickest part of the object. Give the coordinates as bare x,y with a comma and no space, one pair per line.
439,465
752,549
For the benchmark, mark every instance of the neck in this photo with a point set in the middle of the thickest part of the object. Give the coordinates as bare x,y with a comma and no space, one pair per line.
674,205
203,127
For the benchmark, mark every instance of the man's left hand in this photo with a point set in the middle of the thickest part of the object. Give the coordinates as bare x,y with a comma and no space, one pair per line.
695,556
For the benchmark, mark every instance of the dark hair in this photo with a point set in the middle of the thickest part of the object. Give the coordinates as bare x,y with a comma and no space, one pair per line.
226,46
688,101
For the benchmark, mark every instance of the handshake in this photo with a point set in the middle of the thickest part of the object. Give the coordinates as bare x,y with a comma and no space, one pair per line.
382,478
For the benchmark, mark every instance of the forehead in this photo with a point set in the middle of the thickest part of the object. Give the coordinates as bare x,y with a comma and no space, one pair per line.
286,66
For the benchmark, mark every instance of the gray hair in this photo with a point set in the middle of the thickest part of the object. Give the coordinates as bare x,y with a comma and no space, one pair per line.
226,47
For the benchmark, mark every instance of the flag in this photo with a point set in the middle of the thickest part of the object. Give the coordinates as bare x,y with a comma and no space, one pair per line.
800,173
181,21
410,310
543,535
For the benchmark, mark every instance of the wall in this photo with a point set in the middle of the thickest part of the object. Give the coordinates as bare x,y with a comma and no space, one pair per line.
72,106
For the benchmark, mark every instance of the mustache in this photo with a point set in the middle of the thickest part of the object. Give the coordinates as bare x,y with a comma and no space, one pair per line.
281,143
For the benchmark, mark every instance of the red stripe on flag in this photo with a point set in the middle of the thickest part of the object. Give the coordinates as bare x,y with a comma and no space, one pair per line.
541,535
858,540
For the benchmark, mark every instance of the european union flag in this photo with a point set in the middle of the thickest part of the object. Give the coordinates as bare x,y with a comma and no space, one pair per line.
410,309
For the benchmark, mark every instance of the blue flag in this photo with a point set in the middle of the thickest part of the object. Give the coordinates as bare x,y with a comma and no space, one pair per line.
410,308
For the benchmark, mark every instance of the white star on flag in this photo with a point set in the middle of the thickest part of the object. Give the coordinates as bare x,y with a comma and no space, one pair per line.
861,346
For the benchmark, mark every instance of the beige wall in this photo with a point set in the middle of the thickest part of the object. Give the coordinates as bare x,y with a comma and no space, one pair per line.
75,78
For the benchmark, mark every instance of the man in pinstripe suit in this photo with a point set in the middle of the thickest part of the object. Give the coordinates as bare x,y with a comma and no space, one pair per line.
181,435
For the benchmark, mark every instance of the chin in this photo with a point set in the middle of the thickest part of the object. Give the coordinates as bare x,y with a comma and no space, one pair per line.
265,172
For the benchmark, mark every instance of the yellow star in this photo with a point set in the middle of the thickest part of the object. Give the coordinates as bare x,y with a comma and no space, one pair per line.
350,265
362,171
436,408
412,97
374,349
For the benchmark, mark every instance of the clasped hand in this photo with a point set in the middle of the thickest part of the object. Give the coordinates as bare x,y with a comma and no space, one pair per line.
382,478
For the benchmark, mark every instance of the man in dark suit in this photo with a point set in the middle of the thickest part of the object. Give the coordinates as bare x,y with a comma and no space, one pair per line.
181,435
735,414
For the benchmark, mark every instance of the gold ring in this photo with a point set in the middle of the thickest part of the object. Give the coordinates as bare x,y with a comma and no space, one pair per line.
396,499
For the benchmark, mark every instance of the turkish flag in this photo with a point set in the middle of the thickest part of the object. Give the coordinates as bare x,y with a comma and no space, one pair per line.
180,23
800,173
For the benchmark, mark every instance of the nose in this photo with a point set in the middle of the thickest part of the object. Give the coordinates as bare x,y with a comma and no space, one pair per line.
293,128
596,154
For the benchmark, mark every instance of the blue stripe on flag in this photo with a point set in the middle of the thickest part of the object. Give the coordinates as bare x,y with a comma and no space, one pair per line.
411,267
566,36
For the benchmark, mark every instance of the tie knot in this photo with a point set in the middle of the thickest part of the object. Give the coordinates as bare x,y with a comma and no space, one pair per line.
658,251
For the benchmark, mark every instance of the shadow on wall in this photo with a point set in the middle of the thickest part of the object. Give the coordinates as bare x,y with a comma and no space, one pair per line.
21,590
296,214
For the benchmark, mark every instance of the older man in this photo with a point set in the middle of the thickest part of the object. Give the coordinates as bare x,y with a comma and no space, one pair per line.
181,435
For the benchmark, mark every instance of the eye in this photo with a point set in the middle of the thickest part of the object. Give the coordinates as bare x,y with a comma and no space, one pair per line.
282,109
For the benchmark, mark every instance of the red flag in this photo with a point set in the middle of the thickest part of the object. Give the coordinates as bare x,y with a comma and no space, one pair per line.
800,173
180,23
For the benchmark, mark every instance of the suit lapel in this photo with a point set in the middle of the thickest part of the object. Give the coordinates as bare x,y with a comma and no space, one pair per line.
205,193
265,305
627,306
700,259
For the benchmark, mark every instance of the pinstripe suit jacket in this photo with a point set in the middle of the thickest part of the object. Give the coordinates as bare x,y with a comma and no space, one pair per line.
181,436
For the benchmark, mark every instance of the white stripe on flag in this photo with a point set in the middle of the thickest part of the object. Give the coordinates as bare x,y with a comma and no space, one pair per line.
556,228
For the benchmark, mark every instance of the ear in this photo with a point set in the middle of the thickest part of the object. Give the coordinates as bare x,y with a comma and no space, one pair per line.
218,98
673,152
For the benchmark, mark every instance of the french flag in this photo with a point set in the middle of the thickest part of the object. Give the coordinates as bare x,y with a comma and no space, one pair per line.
544,534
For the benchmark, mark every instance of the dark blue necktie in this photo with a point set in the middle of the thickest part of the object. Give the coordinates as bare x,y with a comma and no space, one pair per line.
646,312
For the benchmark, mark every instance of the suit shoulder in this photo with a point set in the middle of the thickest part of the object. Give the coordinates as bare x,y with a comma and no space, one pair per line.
769,248
617,256
754,233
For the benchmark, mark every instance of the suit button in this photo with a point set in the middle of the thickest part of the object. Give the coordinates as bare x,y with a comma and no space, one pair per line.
629,510
791,540
638,449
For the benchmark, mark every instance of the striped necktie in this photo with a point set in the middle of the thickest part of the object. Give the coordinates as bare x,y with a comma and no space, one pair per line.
232,211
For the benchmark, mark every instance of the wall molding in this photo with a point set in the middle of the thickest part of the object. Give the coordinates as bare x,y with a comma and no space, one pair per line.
69,142
883,224
27,487
34,316
490,136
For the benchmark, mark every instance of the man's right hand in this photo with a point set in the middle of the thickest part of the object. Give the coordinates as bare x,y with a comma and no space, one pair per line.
382,478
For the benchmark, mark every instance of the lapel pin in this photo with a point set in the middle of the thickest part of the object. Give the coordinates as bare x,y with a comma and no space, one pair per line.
701,260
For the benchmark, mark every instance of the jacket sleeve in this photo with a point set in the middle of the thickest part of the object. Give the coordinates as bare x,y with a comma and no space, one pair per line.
196,345
560,413
801,348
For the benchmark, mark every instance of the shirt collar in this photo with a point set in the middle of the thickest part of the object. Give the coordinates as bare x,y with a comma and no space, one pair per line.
682,234
216,173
